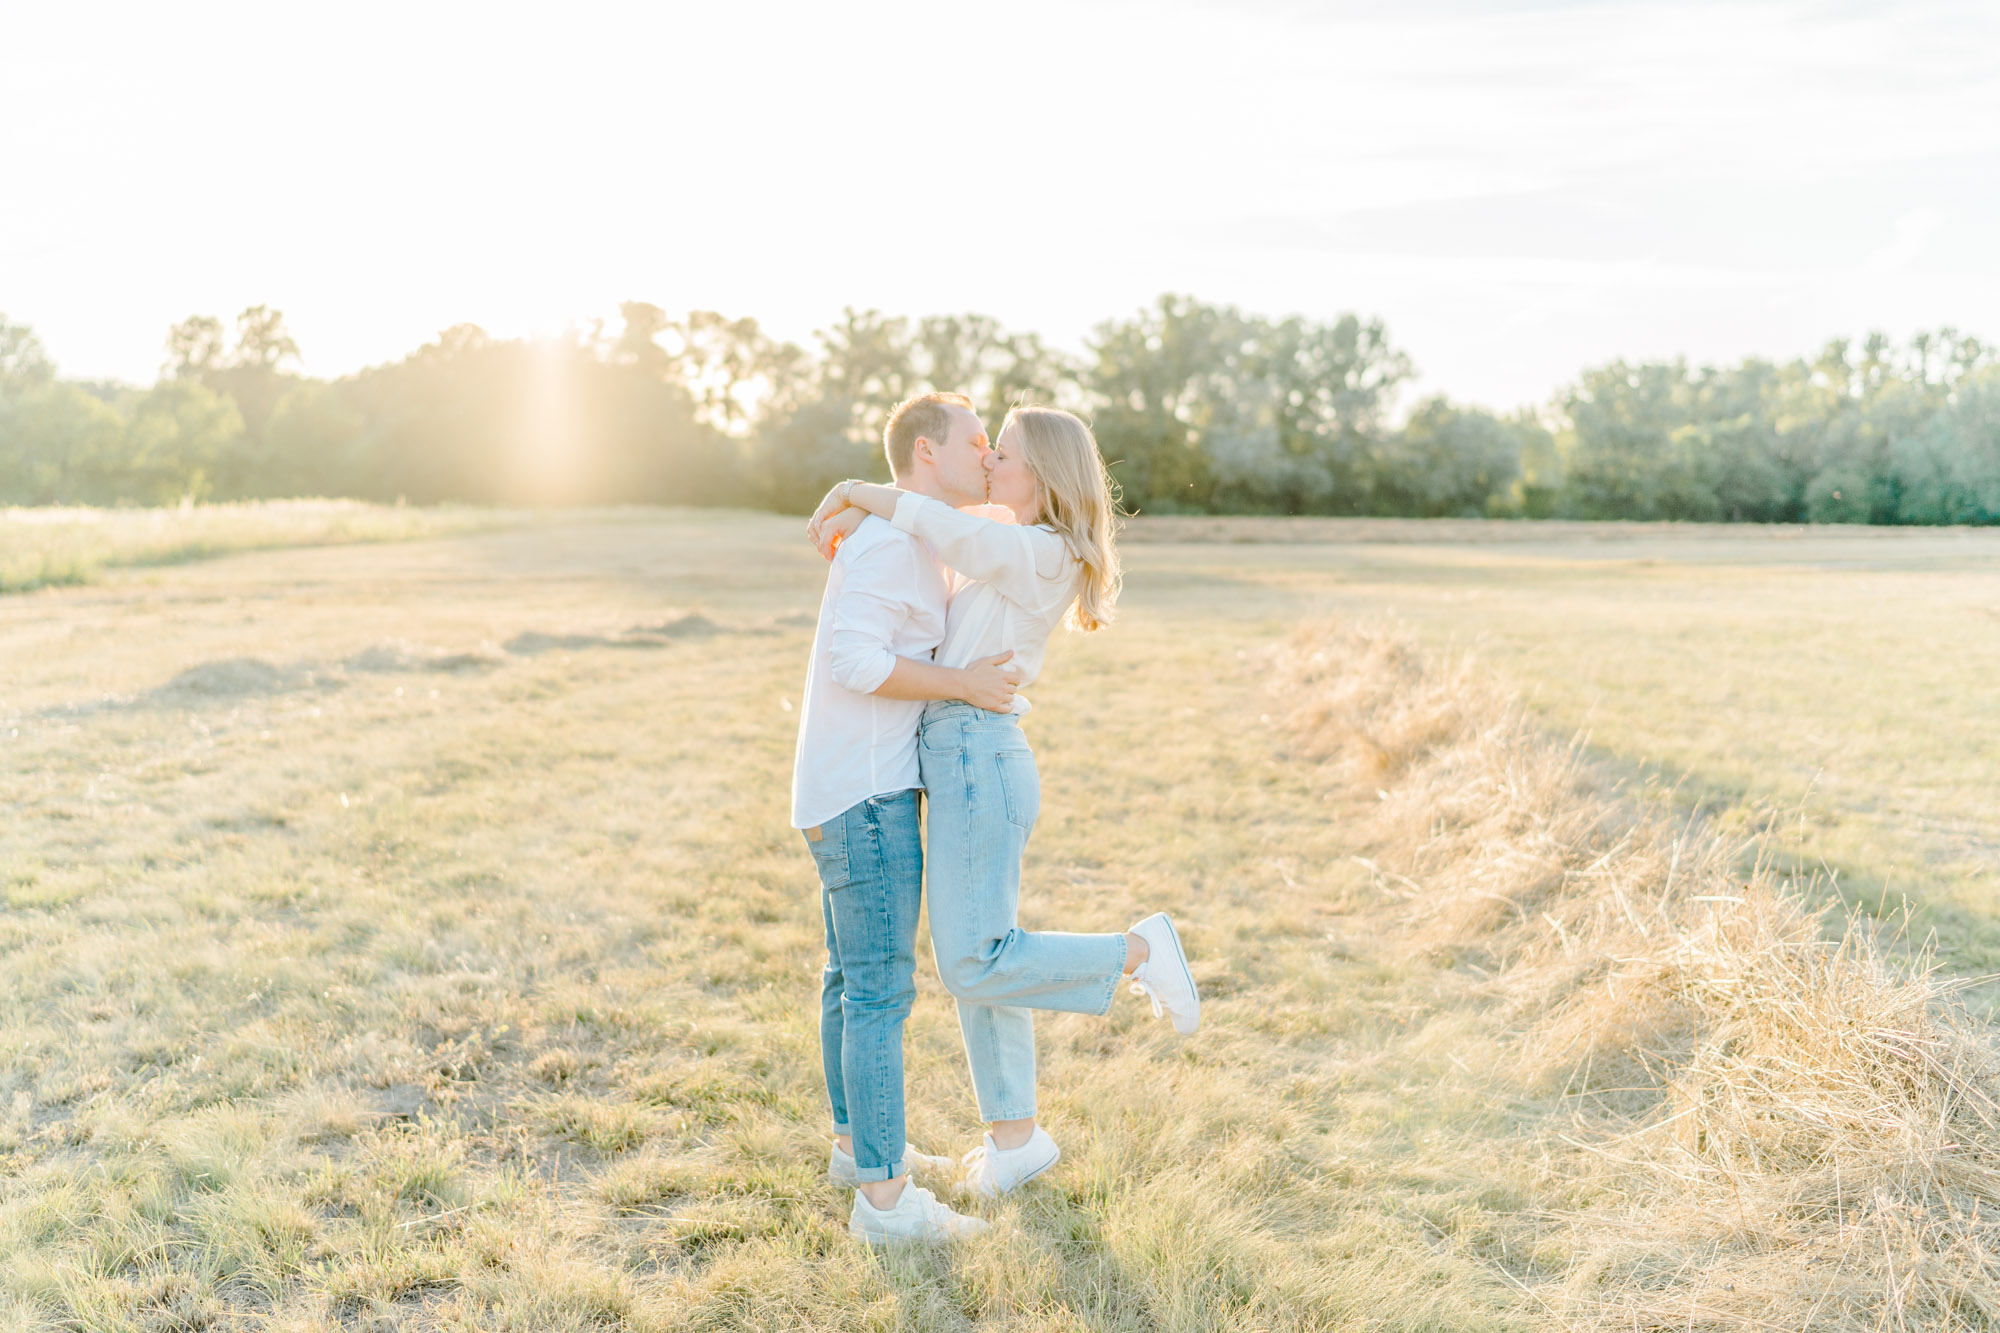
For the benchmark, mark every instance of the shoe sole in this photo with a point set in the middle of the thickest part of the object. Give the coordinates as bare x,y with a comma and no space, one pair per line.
882,1239
1180,956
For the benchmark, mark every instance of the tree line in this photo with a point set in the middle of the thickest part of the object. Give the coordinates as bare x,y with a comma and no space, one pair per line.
1199,409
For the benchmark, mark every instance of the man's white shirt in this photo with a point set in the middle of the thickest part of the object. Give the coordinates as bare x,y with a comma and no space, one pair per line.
885,598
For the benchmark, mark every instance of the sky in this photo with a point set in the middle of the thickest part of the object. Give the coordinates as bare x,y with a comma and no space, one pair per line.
1518,190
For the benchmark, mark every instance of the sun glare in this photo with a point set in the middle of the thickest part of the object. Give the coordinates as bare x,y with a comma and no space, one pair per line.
548,463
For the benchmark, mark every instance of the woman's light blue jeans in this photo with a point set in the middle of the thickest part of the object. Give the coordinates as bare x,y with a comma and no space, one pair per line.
984,793
871,874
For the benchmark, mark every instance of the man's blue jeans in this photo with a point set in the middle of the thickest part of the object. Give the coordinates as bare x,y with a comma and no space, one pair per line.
871,874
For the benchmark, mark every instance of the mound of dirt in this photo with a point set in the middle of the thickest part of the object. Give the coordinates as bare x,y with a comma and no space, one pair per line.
397,656
693,627
690,626
383,657
456,662
528,643
233,678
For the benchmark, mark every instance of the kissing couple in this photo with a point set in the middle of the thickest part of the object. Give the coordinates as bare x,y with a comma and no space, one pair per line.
943,591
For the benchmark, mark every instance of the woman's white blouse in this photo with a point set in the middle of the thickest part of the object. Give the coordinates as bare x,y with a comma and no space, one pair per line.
1012,589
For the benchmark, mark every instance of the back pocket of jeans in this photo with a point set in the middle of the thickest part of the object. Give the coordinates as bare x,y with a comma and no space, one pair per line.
830,855
1020,786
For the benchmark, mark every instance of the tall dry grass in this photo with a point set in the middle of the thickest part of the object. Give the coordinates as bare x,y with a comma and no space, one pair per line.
1759,1116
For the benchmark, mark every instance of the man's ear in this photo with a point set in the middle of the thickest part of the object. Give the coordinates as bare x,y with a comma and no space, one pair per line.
924,451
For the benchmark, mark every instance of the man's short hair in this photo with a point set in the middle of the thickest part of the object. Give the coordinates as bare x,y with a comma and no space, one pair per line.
927,415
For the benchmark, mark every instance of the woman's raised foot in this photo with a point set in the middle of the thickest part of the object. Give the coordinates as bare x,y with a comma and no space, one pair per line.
1165,977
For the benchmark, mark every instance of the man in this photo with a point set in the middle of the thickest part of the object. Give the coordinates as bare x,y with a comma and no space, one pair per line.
854,796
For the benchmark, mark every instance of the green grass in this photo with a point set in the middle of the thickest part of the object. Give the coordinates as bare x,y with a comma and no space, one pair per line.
470,981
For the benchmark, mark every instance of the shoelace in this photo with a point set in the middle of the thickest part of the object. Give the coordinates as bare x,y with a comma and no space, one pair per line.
935,1212
978,1165
1141,987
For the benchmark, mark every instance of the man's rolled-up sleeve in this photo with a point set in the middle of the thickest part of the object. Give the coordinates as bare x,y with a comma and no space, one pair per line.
874,602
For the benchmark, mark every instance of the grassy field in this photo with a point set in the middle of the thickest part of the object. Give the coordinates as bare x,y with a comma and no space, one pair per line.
1839,675
409,935
43,548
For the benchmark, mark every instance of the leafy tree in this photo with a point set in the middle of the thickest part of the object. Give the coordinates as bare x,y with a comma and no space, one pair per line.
1449,462
23,362
441,423
1948,470
261,340
1854,435
1538,493
998,370
1150,378
1202,407
254,372
649,441
802,453
499,421
314,443
195,347
1620,458
732,369
177,439
58,445
1197,407
866,363
638,343
1844,410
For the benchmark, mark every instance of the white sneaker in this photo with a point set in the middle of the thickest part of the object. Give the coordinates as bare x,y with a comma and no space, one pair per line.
1164,977
840,1165
917,1216
991,1171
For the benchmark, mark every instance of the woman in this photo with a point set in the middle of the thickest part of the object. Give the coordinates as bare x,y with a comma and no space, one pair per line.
1016,581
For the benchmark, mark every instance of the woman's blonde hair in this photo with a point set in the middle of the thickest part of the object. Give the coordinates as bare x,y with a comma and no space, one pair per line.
1076,501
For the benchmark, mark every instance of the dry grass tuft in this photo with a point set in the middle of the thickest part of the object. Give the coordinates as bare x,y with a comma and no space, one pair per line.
1774,1120
1371,700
